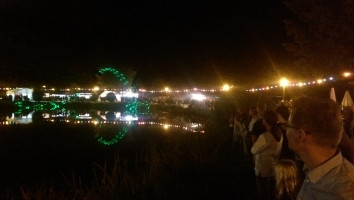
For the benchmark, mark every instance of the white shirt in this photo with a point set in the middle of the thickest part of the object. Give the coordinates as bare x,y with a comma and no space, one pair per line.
267,151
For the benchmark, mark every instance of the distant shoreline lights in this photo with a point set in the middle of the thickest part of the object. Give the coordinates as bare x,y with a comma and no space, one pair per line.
224,88
293,84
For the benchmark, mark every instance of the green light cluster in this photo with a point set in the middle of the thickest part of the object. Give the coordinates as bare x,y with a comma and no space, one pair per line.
116,73
38,106
20,107
54,106
115,139
133,109
137,107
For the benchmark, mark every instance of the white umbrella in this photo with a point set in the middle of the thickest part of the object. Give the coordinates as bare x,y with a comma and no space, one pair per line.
332,95
347,99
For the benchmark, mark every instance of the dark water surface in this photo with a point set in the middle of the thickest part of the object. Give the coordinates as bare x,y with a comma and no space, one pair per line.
174,162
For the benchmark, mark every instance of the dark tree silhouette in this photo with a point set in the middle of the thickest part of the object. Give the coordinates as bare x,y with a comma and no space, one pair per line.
322,32
38,94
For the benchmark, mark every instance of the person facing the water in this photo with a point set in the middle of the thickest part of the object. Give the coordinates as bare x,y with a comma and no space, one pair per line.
314,130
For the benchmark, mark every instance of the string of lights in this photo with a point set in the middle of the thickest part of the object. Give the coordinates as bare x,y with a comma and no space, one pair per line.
292,84
225,87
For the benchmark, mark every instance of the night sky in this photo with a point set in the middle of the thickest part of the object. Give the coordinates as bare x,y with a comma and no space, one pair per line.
167,43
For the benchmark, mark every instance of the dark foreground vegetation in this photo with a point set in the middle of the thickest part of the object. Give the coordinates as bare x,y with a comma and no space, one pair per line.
63,161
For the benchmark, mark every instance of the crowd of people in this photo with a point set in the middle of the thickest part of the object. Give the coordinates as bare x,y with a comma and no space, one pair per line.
303,151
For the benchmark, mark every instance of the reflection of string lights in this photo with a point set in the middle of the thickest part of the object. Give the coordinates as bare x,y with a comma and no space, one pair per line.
298,84
194,127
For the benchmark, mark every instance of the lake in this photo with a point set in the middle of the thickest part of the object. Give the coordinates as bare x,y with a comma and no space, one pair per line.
62,154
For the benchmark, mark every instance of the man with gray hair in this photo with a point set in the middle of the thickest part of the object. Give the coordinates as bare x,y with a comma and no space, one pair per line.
314,130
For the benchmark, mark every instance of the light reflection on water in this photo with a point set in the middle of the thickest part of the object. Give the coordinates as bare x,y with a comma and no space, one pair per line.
104,117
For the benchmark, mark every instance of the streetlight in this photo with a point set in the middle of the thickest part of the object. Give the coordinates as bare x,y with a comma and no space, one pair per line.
284,82
347,74
226,87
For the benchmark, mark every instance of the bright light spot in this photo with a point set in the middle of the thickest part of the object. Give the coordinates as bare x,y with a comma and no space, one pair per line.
118,114
129,118
301,84
96,88
167,89
226,87
198,97
84,116
195,125
347,74
319,81
284,82
165,126
129,93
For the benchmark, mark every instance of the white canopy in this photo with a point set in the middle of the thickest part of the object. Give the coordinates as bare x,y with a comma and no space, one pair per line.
347,99
21,92
332,95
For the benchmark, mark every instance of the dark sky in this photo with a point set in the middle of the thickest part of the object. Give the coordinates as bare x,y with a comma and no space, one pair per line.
175,43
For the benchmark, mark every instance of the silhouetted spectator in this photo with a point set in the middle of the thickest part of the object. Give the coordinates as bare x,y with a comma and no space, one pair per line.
266,152
287,180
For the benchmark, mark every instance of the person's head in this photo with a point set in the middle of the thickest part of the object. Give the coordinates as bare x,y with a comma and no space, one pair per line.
261,108
283,113
239,117
252,111
270,118
286,176
270,122
314,121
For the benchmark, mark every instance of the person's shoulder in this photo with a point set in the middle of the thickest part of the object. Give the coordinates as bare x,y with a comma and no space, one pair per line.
339,182
344,186
343,174
266,134
348,167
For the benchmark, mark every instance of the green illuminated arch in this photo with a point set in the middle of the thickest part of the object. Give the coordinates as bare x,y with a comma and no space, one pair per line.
120,76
